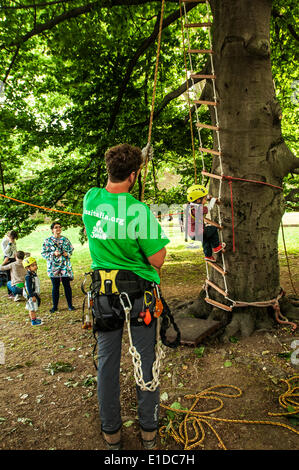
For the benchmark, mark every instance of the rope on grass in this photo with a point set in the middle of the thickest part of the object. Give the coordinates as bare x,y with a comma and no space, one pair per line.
196,419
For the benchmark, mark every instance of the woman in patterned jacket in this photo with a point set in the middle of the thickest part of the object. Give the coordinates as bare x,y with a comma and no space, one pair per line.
57,250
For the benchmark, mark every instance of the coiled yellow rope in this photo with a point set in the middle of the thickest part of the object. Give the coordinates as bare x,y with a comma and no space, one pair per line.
197,419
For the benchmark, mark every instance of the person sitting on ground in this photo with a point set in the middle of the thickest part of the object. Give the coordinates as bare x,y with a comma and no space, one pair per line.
57,250
9,249
17,276
198,197
32,290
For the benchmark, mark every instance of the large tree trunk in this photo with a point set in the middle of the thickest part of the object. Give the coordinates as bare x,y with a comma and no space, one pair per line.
252,148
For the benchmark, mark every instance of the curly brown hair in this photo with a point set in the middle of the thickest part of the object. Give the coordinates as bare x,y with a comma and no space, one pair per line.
121,161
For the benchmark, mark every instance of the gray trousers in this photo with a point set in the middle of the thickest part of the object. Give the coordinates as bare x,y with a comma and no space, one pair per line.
109,346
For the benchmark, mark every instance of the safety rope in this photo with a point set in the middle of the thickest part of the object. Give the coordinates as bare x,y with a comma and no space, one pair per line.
290,398
197,419
39,207
152,385
153,100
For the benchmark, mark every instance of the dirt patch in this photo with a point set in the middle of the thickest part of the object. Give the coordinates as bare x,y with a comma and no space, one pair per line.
48,397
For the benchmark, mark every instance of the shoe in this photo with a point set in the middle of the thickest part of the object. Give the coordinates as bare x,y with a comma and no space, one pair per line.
220,247
36,322
17,298
52,310
11,296
149,439
113,441
72,308
210,258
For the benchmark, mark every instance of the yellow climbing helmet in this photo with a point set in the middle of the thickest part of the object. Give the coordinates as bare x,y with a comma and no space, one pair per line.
28,261
196,191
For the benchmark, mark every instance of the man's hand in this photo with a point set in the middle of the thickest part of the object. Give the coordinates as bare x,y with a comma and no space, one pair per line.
148,152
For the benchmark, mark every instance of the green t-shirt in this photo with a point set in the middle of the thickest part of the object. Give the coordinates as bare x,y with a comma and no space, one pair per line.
122,232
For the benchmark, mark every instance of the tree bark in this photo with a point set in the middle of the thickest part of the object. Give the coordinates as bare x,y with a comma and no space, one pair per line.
252,147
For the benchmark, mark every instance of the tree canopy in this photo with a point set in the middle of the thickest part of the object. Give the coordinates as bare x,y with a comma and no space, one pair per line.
77,78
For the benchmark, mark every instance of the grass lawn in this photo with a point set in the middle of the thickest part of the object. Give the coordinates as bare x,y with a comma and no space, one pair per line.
178,253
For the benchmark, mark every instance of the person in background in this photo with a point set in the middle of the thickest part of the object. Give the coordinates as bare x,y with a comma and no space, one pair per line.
139,255
17,276
57,250
9,249
32,290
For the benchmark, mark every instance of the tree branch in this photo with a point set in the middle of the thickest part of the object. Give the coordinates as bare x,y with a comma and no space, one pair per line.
11,64
171,96
39,28
140,51
290,27
293,196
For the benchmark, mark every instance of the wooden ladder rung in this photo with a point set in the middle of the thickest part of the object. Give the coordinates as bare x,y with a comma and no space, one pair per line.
198,25
214,152
207,126
218,304
211,222
200,75
221,291
211,175
200,51
217,267
207,103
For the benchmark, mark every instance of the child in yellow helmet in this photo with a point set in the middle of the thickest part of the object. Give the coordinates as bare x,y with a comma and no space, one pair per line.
32,290
198,197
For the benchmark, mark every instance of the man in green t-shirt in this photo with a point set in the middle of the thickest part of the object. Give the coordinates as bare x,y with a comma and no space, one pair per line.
123,234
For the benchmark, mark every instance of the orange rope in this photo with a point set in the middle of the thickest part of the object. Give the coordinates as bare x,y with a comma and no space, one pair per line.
39,207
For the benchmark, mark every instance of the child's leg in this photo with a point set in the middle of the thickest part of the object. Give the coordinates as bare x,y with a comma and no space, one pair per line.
32,315
9,288
210,239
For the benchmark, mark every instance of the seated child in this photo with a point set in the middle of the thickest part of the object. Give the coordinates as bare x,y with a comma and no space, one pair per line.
17,276
32,289
197,228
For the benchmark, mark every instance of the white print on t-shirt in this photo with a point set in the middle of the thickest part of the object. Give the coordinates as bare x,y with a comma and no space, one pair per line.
102,215
98,232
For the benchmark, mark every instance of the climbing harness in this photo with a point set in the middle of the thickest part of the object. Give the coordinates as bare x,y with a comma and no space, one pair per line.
197,419
190,75
116,297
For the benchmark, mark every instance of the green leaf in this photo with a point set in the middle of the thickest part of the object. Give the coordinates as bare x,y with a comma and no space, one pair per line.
129,423
228,364
199,351
233,339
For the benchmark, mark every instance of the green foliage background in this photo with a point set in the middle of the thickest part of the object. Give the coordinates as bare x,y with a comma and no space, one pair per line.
76,84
